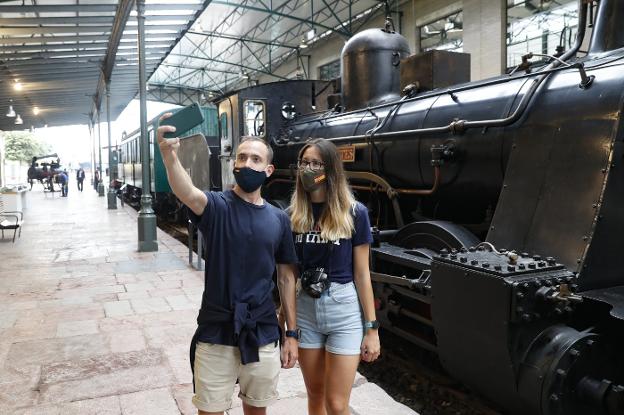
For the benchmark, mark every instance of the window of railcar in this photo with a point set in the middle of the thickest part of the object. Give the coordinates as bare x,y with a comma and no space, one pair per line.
255,117
446,33
151,143
223,126
330,70
546,27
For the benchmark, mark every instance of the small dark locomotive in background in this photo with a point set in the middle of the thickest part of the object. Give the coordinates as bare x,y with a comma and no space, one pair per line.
498,205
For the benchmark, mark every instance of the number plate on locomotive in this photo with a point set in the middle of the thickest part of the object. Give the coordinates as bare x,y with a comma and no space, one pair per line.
347,154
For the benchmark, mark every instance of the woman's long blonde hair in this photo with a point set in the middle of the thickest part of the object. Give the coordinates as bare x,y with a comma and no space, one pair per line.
336,221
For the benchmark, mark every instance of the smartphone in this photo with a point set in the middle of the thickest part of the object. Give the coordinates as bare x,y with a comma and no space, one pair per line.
184,119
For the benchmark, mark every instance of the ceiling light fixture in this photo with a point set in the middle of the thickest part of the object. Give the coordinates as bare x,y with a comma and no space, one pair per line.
303,43
17,86
11,112
18,120
36,110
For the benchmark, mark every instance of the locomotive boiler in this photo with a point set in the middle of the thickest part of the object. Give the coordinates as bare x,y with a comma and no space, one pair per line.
498,205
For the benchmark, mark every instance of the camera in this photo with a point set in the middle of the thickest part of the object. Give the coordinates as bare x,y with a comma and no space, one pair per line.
314,281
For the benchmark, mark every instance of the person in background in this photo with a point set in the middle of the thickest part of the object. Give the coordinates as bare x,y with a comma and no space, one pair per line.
63,180
96,179
80,176
335,308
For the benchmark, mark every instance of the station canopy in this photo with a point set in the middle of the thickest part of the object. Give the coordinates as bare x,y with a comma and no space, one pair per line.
56,55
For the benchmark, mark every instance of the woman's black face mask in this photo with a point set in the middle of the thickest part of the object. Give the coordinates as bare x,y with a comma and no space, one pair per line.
248,179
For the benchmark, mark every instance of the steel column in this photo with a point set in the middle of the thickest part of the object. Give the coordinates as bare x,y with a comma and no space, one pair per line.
100,188
112,196
92,136
147,218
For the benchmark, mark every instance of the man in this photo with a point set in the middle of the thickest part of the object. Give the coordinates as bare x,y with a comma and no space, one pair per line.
80,176
63,179
237,331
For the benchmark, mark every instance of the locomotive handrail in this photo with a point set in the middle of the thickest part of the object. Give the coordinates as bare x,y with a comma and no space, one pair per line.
390,191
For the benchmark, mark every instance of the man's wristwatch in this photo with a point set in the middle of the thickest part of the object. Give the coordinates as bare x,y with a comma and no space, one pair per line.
295,334
371,325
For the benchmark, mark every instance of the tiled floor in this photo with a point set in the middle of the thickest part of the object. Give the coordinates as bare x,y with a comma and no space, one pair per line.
88,325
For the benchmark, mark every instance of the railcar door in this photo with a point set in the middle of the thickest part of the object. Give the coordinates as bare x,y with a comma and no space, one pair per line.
228,116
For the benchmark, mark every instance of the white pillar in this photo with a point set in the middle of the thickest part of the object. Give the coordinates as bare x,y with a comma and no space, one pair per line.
485,29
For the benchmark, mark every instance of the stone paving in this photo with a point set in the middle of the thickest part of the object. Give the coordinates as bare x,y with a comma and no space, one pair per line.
88,325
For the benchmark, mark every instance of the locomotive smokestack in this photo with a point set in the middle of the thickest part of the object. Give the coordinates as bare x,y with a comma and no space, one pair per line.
608,33
370,70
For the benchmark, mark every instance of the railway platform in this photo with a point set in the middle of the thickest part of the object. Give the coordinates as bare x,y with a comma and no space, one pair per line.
88,325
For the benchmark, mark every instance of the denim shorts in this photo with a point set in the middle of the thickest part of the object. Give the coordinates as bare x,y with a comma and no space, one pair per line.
333,322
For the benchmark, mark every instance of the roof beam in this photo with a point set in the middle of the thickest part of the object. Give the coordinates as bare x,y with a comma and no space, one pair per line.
25,21
83,46
269,11
190,68
11,57
121,18
83,39
243,39
99,8
8,31
238,65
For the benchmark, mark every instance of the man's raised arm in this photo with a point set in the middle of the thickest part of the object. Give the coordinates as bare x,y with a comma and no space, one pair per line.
179,179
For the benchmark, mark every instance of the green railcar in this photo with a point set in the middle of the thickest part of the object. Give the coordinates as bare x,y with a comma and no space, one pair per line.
130,161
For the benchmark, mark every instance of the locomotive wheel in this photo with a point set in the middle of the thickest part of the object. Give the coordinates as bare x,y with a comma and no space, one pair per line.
434,235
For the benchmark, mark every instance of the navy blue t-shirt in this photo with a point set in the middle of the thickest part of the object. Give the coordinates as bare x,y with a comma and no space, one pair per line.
244,242
314,251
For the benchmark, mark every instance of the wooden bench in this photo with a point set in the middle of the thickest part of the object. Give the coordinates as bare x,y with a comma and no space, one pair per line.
10,220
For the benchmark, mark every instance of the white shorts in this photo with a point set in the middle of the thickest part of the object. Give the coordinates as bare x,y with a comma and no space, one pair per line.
217,367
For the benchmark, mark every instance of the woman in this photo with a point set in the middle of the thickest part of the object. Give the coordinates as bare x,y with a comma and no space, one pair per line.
332,239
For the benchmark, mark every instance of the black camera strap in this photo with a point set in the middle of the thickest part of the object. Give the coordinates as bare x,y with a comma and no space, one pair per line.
327,260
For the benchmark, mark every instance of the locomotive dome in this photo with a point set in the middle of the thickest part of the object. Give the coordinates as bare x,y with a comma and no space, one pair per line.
370,68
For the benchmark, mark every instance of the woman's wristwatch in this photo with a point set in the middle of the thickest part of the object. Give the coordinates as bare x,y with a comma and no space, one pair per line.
295,334
371,325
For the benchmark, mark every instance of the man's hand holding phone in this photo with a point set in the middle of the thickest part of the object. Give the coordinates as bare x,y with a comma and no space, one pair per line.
172,125
168,146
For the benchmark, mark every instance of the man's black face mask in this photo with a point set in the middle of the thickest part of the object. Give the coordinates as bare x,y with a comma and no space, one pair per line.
314,282
248,179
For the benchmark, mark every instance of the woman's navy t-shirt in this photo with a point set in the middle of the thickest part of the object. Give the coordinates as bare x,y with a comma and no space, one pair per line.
244,242
314,252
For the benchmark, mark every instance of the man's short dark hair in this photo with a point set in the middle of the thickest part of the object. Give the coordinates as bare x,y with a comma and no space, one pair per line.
263,141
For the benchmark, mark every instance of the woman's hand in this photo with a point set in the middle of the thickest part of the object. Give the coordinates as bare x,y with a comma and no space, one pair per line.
370,348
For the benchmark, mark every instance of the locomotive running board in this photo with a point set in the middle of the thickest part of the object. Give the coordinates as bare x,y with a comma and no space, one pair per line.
402,256
614,296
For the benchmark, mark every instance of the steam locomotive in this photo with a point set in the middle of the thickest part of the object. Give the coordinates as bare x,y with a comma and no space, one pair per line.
498,205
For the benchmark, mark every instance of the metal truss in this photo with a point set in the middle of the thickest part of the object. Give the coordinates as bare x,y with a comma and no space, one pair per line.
173,94
62,54
250,53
